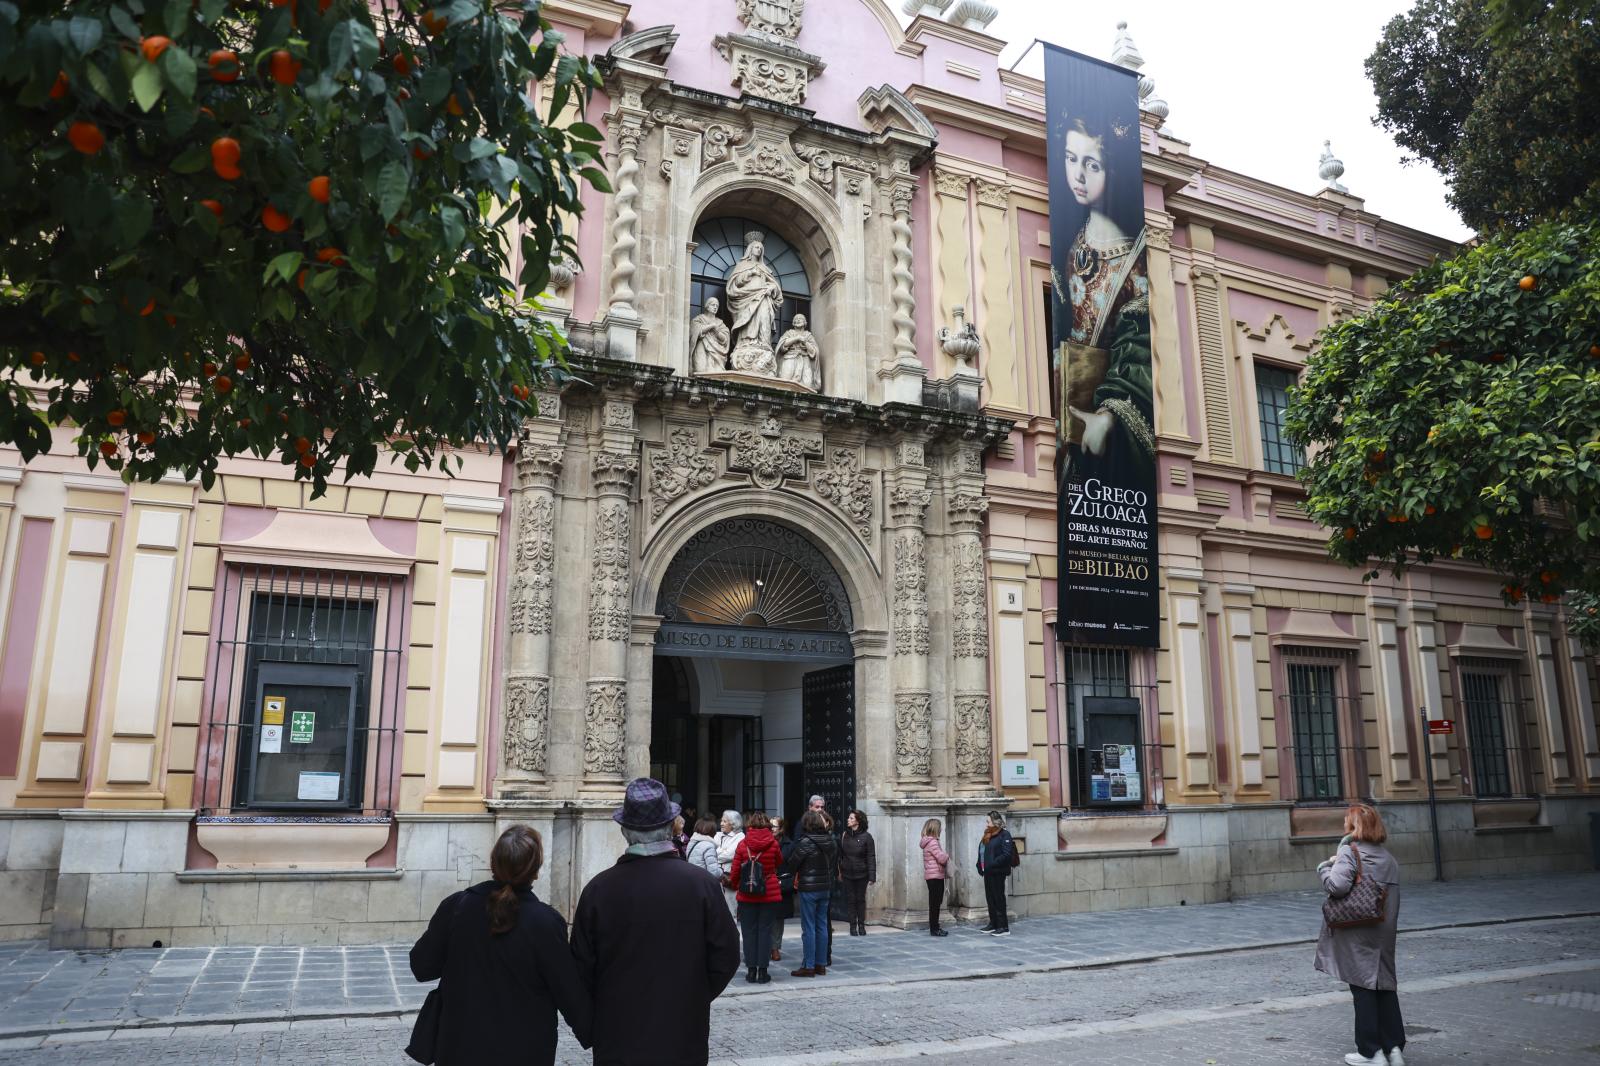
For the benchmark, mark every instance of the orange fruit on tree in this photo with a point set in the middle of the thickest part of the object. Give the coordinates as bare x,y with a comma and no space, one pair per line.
1497,357
170,319
152,47
108,448
224,64
146,437
86,137
116,418
37,359
214,206
285,68
241,362
434,23
1528,282
402,65
208,369
244,423
308,460
323,5
331,255
453,105
420,154
275,220
301,445
149,307
73,356
225,153
223,384
1547,576
1483,532
1379,455
1349,532
58,88
1594,351
1430,509
300,279
319,188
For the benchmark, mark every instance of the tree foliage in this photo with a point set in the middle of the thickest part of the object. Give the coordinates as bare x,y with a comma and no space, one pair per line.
277,227
1460,416
1499,95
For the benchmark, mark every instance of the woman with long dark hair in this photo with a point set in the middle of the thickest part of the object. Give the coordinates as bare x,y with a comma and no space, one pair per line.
501,958
858,868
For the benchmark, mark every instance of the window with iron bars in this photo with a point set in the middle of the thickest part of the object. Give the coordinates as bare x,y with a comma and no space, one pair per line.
305,693
1107,695
1487,707
1279,455
1323,758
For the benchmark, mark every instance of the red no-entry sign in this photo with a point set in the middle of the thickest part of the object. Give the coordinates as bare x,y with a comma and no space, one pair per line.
1441,727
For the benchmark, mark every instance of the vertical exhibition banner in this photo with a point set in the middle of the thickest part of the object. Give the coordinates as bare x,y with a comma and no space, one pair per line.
1106,464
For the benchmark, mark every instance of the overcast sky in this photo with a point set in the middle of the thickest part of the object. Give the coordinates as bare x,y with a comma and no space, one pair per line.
1256,86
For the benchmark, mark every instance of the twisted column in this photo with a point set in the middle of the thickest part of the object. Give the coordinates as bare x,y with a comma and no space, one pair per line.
903,295
624,228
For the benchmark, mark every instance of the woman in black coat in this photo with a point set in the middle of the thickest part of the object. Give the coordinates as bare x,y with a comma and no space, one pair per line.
997,854
858,868
503,965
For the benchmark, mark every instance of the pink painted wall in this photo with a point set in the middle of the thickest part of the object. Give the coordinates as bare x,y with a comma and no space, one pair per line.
1265,258
1257,311
22,636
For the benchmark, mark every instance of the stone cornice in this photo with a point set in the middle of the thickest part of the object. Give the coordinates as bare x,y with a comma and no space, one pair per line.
601,17
923,27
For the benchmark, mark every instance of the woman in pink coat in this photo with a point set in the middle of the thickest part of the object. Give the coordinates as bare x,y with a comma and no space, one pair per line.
934,861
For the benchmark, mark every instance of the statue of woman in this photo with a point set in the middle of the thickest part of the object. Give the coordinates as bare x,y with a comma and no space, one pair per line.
708,340
798,354
753,298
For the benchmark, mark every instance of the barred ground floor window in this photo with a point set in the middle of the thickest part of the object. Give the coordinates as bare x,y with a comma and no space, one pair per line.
1495,761
1322,746
305,693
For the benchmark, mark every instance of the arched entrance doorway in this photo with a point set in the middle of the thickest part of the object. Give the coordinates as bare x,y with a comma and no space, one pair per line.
753,677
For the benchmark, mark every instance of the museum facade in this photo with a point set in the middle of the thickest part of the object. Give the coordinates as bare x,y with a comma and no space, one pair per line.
786,524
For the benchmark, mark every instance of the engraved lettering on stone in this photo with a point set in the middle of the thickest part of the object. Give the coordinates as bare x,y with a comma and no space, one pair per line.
843,483
974,757
913,736
604,729
680,469
910,594
527,723
770,454
609,615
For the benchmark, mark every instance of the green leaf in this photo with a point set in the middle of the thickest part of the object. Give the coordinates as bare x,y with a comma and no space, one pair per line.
341,49
147,86
177,17
364,43
435,85
179,67
284,266
597,178
124,23
100,83
393,185
84,33
454,226
192,160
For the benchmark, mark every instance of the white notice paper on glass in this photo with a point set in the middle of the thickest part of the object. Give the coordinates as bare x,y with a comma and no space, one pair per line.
318,785
272,740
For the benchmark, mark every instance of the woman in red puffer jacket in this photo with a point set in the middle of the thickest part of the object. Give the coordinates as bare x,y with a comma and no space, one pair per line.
756,909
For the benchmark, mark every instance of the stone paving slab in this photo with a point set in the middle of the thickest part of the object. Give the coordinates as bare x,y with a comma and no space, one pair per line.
68,993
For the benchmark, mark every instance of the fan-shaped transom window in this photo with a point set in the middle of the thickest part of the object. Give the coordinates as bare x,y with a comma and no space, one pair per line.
719,242
752,572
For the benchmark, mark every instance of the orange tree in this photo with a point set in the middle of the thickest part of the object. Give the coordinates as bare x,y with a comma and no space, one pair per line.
1460,418
276,227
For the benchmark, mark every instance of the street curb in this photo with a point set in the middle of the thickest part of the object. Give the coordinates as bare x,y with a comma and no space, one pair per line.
199,1021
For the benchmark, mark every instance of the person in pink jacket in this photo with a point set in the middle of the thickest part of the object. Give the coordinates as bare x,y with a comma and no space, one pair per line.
934,861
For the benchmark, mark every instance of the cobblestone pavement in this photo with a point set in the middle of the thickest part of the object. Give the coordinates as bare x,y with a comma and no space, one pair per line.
1525,992
53,991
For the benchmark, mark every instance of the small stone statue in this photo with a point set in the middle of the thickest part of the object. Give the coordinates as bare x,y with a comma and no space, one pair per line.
753,297
798,354
708,340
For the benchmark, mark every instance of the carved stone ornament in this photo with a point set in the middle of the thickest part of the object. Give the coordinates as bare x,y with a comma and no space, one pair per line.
680,469
771,454
533,566
609,582
618,415
961,343
908,505
527,723
538,465
910,593
1158,237
969,621
966,511
948,184
768,161
842,483
719,143
965,461
605,728
614,472
993,194
913,736
770,78
974,748
912,453
822,162
777,18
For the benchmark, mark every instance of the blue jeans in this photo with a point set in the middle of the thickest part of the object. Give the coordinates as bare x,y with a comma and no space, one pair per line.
814,929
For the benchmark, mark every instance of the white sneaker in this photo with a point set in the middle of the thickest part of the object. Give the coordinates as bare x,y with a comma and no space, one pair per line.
1396,1059
1355,1058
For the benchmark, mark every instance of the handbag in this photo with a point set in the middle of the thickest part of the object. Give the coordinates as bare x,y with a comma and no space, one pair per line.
1365,904
425,1033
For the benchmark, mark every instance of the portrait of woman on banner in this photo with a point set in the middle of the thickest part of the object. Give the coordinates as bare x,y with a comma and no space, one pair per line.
1102,289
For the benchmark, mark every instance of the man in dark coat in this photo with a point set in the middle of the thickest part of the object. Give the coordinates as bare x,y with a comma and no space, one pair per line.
654,943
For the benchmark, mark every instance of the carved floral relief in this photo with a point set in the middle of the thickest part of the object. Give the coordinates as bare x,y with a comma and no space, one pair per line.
681,469
527,723
913,736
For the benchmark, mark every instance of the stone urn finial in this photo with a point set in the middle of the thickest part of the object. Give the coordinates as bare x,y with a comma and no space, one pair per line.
962,343
973,15
1125,54
1330,169
932,8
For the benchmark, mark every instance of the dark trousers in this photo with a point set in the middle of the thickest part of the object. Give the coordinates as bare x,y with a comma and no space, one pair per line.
935,901
1378,1023
994,893
755,923
855,897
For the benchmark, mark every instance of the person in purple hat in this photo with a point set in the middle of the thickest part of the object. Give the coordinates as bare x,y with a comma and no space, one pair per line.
654,943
